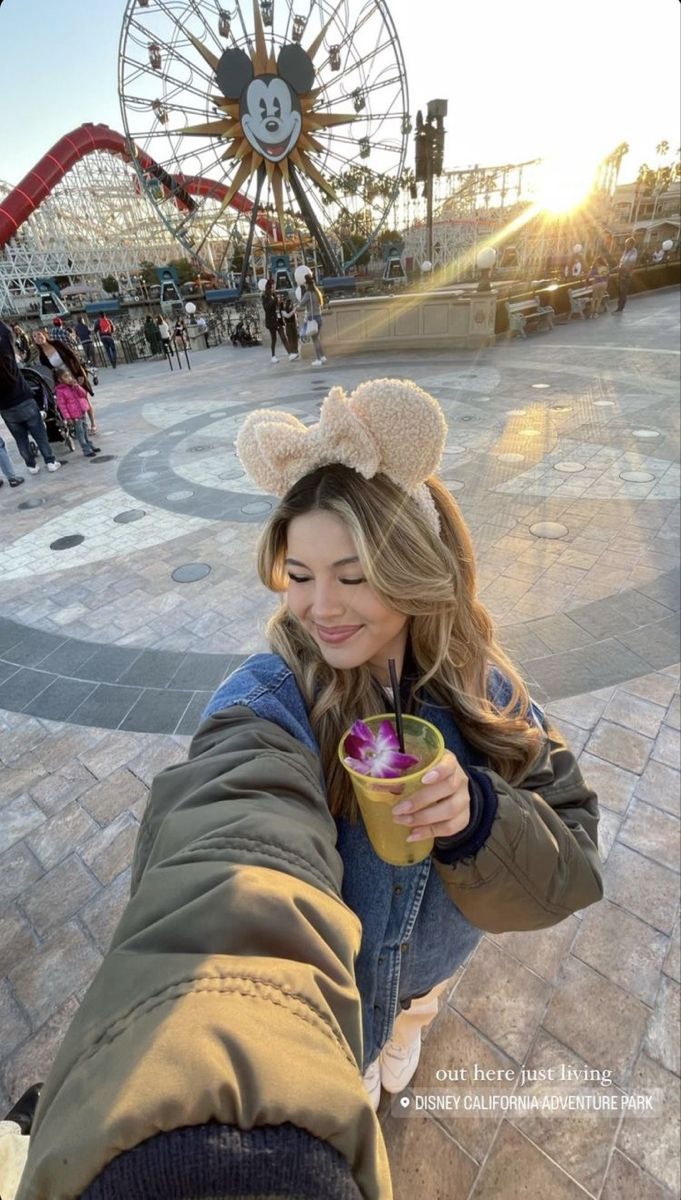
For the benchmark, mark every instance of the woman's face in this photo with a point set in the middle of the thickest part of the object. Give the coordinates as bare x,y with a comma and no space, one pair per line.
39,338
331,598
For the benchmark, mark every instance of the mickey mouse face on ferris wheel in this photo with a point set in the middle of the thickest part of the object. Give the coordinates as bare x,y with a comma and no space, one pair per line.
269,105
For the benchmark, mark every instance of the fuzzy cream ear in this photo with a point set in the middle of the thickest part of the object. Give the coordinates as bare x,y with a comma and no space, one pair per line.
266,444
407,425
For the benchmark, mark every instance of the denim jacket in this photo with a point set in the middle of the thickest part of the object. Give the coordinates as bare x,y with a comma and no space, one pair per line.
413,935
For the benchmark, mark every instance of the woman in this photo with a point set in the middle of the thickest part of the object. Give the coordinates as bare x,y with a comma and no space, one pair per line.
373,561
274,322
22,344
59,356
312,303
165,335
598,278
627,264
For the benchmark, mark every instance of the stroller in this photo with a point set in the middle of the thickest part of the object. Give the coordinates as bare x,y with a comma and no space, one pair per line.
58,429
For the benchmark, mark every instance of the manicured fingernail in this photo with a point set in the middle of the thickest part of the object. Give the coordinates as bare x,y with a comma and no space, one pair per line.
430,777
401,810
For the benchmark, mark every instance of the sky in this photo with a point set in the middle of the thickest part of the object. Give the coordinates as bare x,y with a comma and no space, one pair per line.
523,78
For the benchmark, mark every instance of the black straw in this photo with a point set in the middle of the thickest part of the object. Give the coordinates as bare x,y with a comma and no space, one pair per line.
397,703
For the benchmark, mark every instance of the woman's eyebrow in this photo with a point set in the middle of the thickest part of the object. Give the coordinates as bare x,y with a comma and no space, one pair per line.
342,562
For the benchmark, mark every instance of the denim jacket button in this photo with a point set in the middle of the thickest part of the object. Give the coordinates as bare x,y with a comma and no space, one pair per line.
404,947
398,889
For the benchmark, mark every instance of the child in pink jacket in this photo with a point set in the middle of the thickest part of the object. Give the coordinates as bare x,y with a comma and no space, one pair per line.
73,404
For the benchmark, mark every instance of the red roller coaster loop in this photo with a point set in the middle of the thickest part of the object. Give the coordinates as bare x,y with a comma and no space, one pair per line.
53,166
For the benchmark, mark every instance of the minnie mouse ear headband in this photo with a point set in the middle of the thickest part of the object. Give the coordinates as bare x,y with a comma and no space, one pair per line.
385,427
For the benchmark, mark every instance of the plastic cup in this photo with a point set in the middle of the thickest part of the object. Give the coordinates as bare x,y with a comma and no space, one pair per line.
378,797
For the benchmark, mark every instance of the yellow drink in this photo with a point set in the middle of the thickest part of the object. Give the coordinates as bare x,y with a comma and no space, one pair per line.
378,797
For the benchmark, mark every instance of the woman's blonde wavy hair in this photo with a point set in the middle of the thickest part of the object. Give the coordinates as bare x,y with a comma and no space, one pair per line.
432,581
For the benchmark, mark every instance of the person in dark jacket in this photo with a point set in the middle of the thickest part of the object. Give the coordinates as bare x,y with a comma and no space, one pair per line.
152,336
19,410
84,335
58,356
274,322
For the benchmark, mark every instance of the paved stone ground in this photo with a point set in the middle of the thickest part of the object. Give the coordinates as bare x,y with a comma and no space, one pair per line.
105,661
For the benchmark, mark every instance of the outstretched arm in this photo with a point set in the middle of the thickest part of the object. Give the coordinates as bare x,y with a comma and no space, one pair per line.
228,994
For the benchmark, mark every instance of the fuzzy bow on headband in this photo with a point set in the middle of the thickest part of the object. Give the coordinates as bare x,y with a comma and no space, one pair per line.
385,427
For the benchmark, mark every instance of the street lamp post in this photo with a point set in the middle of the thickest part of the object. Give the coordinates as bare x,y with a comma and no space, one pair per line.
429,145
486,259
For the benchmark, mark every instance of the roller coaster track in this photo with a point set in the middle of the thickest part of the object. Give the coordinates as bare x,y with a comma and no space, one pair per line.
17,207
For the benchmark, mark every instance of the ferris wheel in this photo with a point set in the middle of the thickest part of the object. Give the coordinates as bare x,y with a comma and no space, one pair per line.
285,120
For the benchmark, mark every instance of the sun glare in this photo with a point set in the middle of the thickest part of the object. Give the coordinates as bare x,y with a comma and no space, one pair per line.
564,184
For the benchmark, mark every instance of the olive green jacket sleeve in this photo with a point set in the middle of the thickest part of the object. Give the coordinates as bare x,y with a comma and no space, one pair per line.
228,993
540,862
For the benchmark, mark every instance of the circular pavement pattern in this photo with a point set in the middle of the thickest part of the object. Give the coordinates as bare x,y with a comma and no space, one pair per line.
191,572
637,476
67,543
549,529
568,468
257,507
130,515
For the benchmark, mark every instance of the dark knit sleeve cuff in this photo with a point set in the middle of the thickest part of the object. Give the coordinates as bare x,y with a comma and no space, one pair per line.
484,802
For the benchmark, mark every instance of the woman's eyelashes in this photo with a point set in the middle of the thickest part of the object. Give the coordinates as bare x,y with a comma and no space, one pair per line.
307,579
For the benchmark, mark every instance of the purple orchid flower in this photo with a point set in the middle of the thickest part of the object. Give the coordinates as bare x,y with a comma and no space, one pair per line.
376,754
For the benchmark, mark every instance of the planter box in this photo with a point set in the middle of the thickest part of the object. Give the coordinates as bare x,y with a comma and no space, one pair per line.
411,321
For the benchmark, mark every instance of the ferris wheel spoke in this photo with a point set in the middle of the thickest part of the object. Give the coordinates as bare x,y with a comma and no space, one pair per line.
199,13
368,90
153,40
181,84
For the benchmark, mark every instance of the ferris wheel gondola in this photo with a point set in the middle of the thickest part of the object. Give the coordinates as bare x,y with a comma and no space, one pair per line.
296,123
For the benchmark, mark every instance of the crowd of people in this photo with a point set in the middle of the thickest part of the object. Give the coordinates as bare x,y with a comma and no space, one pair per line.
66,363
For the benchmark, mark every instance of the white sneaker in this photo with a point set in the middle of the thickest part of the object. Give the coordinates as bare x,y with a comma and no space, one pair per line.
53,466
275,359
317,363
399,1063
33,470
293,357
323,358
372,1082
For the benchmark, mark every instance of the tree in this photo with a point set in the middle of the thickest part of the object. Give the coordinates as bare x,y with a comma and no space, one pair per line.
110,284
186,271
148,272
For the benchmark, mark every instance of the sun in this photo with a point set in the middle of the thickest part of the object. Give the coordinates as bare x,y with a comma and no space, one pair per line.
261,92
564,184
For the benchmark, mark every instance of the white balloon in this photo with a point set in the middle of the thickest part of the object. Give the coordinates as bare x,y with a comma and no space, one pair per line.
668,244
190,308
302,273
262,284
426,266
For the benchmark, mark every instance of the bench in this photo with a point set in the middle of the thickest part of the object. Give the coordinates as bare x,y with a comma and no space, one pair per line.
522,312
581,299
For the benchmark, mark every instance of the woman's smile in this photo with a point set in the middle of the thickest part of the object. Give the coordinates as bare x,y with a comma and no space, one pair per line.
337,633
